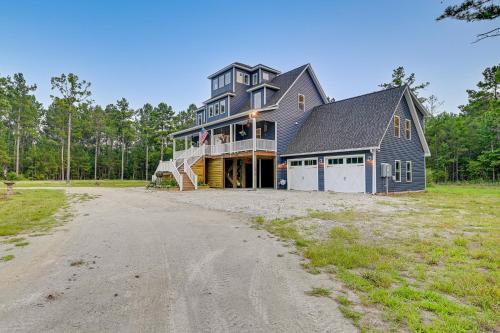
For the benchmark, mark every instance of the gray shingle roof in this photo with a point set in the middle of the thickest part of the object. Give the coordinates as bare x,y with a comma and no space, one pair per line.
351,123
282,81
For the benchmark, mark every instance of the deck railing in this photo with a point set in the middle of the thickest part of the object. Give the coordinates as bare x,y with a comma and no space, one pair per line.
191,175
224,148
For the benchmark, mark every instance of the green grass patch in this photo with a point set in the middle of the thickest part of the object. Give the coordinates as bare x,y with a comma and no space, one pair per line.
79,183
319,292
441,277
29,211
8,257
21,244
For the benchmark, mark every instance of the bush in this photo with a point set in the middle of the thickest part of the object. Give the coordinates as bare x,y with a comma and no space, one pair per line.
12,176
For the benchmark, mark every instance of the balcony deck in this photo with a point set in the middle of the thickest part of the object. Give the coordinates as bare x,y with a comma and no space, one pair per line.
236,147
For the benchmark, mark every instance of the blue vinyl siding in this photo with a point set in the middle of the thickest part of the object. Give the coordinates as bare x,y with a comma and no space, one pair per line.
224,89
393,148
288,117
219,116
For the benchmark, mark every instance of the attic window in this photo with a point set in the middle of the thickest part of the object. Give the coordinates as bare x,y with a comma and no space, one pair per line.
301,102
265,76
396,127
408,129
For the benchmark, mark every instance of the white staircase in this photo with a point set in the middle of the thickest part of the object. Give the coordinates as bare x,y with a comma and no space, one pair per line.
180,167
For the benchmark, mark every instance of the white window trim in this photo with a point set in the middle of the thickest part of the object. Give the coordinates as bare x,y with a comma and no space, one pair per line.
246,79
394,126
396,171
211,110
298,102
216,109
227,78
253,100
408,121
255,78
215,83
221,78
221,103
411,172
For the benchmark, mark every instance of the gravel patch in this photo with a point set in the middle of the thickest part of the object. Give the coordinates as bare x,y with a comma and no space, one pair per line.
278,203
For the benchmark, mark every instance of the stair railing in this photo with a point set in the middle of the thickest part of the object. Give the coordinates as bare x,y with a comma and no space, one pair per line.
190,173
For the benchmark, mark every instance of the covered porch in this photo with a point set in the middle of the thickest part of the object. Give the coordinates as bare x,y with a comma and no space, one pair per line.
243,136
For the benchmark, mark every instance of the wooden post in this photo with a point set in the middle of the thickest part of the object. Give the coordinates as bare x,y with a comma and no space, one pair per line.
235,178
260,173
254,157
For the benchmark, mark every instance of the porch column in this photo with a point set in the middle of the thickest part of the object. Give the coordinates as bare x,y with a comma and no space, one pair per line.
254,157
185,142
231,132
212,141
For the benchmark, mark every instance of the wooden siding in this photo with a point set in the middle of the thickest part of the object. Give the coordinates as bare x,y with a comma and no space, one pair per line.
215,176
199,169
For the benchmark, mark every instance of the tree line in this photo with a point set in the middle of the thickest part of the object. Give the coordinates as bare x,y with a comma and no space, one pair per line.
74,138
464,145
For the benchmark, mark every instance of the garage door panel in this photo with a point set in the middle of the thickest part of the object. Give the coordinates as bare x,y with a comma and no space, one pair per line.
345,173
303,174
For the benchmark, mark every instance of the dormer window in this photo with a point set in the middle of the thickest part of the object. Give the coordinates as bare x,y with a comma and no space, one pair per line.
242,78
255,78
257,100
215,84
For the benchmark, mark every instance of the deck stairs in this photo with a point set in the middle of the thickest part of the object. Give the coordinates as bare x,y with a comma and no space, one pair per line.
186,178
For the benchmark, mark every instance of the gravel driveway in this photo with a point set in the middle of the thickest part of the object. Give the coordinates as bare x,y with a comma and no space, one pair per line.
137,261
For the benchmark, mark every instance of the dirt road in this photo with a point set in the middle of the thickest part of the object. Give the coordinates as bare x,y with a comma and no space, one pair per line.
132,261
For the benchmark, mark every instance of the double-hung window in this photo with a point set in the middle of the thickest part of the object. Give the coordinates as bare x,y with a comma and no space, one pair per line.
216,109
301,100
265,76
257,100
246,79
210,110
409,172
255,78
228,78
222,107
396,126
408,129
397,170
221,81
215,84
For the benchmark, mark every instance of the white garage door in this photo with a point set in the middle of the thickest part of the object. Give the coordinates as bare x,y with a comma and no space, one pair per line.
345,173
303,174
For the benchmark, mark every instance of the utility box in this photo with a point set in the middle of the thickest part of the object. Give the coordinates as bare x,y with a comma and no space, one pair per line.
385,170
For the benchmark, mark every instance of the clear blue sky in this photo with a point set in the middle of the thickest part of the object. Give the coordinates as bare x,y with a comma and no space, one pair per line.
152,51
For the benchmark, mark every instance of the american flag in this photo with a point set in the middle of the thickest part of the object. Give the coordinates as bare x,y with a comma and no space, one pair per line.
203,135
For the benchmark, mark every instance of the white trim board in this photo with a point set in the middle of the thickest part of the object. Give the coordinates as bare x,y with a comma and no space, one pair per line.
221,120
330,151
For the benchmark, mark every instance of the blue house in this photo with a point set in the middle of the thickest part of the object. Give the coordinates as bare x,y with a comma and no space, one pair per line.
261,128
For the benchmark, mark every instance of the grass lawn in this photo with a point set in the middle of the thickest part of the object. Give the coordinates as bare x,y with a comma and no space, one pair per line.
432,264
79,183
29,211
